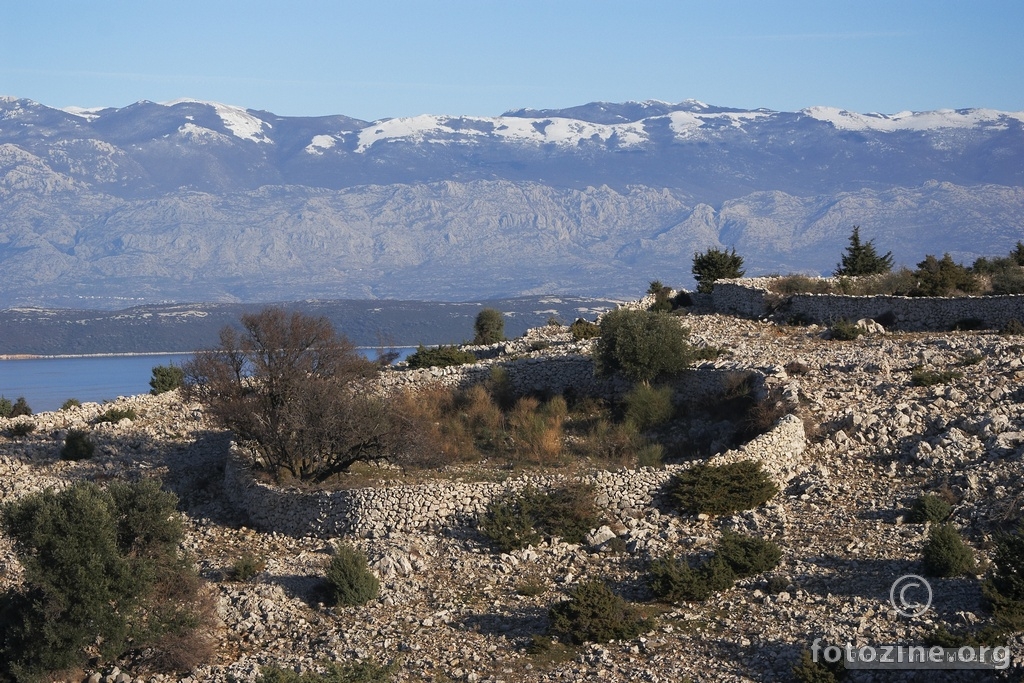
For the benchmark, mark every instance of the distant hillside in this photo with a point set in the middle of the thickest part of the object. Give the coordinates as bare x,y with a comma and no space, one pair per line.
187,327
196,201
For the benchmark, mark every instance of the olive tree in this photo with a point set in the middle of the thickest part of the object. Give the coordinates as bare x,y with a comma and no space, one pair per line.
292,391
489,327
641,345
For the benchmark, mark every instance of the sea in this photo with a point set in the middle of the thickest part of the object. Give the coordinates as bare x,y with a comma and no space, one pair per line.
47,382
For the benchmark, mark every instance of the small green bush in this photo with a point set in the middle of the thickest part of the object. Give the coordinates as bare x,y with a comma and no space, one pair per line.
584,329
20,429
945,554
943,277
594,614
349,579
809,671
650,455
844,330
71,403
166,378
439,357
521,519
77,446
748,555
115,415
247,566
1008,578
20,408
675,580
721,489
647,406
929,507
920,376
5,407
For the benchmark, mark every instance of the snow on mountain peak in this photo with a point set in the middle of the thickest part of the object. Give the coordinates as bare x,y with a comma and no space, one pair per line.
557,130
908,120
240,122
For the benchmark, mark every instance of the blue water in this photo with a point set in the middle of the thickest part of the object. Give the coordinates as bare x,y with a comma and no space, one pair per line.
47,382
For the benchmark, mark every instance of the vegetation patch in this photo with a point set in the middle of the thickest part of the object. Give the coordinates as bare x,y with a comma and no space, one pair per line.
77,446
115,415
721,489
945,553
443,356
920,376
520,519
929,507
595,614
349,579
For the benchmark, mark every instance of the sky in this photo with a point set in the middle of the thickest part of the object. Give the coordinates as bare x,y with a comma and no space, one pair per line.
373,60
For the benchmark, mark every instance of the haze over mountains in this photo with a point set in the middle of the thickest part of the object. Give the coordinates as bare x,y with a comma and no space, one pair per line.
193,201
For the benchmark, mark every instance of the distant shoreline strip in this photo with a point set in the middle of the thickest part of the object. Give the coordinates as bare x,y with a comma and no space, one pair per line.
31,356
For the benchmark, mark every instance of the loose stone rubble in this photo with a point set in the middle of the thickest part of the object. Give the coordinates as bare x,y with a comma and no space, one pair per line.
452,609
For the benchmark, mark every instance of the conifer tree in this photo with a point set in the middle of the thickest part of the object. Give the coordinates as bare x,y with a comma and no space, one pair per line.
862,259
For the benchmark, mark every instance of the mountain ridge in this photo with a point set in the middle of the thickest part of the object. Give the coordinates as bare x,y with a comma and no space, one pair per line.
189,200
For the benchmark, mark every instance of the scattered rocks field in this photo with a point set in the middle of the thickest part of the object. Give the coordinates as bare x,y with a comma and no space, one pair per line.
451,609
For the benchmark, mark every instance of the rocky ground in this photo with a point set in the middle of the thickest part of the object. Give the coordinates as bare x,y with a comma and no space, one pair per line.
451,609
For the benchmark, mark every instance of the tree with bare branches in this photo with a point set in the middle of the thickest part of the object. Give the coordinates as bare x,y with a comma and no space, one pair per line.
293,391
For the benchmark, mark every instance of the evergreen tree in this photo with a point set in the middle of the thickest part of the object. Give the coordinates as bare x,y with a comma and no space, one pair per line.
715,264
861,259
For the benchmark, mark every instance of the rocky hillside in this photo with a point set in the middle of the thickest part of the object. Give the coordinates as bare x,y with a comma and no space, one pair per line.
451,609
195,201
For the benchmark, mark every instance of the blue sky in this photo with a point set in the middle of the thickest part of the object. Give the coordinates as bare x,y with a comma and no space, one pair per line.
376,60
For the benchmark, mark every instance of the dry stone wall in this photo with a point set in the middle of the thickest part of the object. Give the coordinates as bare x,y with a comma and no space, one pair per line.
374,512
751,298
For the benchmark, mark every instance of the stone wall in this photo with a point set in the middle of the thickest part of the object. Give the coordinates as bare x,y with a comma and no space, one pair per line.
751,298
371,512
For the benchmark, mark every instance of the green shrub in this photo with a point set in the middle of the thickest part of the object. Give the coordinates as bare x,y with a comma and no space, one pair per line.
647,406
721,489
748,555
929,507
439,357
943,277
844,330
20,429
810,671
489,327
71,403
921,376
115,415
945,554
20,408
166,378
101,576
662,302
247,566
675,580
594,614
715,264
1008,577
650,455
5,407
799,284
77,446
349,579
971,358
521,519
641,345
584,329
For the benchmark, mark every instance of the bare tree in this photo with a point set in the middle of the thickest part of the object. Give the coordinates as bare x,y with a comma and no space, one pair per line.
293,391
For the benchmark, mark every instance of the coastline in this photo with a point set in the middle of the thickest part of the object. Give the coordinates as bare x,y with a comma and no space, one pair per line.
30,356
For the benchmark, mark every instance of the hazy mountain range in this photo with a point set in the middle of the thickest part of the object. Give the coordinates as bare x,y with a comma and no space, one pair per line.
194,201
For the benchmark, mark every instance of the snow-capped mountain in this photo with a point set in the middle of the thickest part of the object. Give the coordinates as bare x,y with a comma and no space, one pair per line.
191,200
